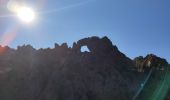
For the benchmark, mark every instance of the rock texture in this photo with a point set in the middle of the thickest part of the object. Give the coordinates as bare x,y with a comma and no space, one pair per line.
64,73
150,61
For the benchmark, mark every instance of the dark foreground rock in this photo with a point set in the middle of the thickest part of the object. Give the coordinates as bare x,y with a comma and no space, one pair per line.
64,73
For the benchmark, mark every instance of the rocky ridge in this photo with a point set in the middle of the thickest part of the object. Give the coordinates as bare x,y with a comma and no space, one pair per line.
64,73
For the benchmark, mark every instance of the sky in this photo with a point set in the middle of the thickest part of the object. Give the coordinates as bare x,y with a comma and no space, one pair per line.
137,27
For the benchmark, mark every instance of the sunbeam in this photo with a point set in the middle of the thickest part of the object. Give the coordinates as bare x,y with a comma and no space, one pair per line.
66,7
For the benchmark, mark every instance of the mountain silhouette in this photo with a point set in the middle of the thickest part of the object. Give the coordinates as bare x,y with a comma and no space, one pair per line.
67,73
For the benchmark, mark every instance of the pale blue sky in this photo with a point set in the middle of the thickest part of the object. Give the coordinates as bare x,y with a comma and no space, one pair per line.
137,27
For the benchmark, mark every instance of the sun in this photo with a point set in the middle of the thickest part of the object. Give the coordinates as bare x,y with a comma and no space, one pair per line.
26,14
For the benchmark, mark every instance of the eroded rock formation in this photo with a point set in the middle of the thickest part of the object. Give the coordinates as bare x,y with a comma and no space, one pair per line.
150,61
64,73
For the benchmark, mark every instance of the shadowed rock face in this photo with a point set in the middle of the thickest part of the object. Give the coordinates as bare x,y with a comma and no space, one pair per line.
64,73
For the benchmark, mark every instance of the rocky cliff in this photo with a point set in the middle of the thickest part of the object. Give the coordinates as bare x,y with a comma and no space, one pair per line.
63,73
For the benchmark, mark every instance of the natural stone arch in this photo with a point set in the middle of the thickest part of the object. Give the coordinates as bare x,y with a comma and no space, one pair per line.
96,45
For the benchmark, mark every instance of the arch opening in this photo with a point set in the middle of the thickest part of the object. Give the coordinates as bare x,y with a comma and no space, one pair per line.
84,49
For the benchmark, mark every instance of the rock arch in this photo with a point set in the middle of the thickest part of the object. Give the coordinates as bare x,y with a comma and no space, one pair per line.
95,45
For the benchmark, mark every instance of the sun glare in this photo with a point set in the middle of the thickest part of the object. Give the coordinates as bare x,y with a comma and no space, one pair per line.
26,14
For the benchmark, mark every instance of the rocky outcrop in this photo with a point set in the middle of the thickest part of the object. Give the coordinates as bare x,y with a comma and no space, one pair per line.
150,61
